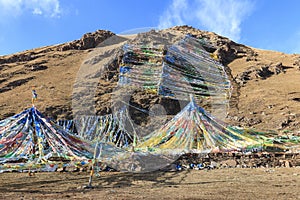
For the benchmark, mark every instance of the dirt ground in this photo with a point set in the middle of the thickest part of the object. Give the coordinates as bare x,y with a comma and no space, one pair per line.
231,183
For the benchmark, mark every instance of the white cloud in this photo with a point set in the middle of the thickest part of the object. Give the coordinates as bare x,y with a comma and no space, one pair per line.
221,16
10,7
174,15
37,11
15,8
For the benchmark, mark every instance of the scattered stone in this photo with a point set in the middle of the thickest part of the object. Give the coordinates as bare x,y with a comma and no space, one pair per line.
270,170
214,164
61,169
287,164
277,68
297,63
229,163
285,122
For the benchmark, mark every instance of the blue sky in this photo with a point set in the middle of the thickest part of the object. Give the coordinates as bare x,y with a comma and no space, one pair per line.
265,24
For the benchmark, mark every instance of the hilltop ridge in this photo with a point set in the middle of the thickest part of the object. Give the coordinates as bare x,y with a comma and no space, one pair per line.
265,84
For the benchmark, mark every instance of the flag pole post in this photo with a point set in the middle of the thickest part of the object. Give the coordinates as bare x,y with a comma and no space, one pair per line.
96,155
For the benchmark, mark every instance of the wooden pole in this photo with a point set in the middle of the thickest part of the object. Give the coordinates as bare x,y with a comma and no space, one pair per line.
96,155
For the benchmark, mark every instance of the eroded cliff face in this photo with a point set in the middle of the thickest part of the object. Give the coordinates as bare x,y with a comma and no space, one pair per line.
265,84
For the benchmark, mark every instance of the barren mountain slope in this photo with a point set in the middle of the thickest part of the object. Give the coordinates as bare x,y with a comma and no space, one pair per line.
265,94
270,98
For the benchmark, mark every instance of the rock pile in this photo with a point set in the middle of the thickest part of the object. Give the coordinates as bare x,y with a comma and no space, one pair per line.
214,161
239,160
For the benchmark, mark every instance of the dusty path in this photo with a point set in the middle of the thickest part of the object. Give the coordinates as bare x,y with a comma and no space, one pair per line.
259,183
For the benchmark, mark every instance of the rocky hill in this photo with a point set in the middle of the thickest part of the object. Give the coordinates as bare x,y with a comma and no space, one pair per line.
265,84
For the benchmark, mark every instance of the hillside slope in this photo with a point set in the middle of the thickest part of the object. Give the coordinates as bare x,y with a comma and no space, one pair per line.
265,94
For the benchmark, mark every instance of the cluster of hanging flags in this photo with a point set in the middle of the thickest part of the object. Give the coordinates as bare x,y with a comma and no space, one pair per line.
107,128
29,141
194,69
195,130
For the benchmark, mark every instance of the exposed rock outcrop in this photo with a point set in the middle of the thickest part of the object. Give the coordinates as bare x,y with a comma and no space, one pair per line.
259,72
87,41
